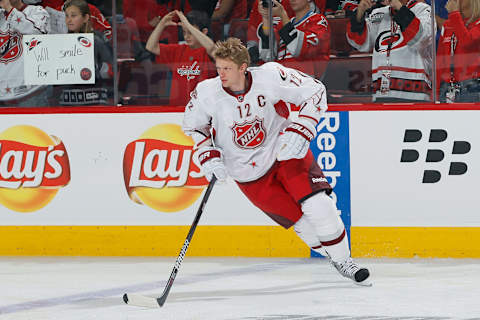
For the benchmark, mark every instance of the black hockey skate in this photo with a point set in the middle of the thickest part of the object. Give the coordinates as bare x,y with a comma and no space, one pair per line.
349,269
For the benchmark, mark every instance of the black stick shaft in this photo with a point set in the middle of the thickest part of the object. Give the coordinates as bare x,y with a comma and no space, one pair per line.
183,251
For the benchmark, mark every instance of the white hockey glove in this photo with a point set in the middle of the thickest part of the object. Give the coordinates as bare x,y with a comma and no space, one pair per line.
295,140
210,159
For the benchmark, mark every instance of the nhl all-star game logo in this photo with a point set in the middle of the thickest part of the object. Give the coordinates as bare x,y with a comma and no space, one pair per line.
250,134
10,47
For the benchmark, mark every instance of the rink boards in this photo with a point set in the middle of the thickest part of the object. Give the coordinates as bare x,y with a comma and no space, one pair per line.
123,183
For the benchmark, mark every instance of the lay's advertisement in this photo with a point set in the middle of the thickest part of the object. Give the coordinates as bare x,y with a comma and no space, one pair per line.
120,185
159,170
34,166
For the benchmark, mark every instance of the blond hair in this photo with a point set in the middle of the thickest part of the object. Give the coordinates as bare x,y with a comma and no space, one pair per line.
232,49
475,8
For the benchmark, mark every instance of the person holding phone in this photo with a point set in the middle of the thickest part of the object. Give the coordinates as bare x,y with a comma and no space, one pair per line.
304,40
400,35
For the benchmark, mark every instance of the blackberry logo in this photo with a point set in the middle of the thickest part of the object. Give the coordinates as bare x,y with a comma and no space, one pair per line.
435,155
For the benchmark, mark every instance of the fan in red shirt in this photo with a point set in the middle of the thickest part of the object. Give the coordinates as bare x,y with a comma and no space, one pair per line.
147,14
189,63
458,61
225,12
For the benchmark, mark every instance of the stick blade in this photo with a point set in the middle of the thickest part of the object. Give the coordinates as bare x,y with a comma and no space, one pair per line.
140,301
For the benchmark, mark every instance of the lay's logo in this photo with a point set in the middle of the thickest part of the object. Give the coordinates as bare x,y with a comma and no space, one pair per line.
33,167
159,170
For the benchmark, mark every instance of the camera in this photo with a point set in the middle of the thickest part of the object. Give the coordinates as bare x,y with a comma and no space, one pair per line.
265,3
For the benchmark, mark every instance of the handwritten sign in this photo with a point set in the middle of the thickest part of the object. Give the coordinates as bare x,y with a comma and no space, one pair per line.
59,59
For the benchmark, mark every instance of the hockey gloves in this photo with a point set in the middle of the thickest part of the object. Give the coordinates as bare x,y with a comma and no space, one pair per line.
210,159
295,140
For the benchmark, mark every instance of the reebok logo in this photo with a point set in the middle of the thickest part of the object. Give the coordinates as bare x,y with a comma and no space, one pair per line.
317,180
435,155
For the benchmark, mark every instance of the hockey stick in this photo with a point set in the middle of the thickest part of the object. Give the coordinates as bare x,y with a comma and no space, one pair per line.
144,301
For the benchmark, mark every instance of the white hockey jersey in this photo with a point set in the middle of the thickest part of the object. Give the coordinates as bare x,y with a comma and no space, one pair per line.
13,25
410,63
246,126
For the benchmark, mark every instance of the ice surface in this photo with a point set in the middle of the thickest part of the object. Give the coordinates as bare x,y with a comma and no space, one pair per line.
238,289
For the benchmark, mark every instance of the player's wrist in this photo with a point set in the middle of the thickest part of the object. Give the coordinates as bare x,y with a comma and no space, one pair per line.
207,154
306,127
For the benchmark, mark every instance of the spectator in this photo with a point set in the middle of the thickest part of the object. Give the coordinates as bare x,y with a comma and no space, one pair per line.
147,14
226,11
97,19
18,19
458,59
441,14
255,20
78,20
189,63
304,40
400,36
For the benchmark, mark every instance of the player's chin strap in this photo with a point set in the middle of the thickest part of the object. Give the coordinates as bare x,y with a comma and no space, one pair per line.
295,140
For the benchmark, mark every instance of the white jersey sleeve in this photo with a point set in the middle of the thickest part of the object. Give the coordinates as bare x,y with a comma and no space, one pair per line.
30,20
372,22
300,89
197,122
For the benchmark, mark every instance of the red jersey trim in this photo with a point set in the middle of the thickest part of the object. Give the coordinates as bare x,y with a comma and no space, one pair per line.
7,14
412,29
358,38
411,4
393,68
334,241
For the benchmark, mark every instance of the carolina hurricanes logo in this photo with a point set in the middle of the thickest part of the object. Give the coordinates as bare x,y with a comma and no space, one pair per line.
84,42
32,44
384,38
249,134
10,47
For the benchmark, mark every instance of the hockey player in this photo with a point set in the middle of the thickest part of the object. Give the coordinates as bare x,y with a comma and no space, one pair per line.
240,131
17,19
400,35
304,40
